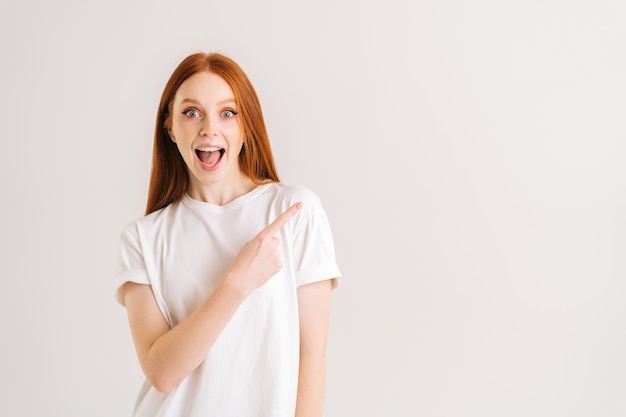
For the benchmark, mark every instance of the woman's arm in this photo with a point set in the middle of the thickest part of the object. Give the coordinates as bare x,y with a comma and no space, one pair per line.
167,355
314,311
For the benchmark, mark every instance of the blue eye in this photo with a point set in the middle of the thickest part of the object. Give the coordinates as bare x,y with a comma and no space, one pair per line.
227,114
191,113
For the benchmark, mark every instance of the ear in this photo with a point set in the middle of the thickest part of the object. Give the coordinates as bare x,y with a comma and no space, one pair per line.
167,123
168,129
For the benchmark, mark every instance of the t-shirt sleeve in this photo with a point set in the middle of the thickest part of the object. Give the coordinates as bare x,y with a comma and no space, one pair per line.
131,266
314,250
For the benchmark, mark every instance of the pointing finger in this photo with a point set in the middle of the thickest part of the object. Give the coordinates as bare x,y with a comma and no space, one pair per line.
280,221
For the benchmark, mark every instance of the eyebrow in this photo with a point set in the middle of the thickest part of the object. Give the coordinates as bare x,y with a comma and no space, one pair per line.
220,103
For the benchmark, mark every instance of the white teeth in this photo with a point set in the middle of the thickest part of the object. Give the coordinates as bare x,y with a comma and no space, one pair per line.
209,149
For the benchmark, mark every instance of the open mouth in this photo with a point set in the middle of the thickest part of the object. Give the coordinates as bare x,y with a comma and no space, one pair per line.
210,156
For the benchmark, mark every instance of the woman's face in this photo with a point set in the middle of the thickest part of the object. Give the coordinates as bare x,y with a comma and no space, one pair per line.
206,128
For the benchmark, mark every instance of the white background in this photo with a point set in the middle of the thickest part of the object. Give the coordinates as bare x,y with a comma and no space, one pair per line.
471,156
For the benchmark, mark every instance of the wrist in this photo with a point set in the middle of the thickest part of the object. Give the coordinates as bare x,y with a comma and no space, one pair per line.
234,286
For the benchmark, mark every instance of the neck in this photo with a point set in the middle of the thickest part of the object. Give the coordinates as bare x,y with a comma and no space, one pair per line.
223,192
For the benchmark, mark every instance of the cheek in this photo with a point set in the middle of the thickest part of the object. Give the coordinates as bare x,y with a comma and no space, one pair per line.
239,145
236,141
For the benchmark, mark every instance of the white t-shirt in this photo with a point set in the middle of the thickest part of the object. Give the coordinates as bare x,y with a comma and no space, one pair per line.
183,250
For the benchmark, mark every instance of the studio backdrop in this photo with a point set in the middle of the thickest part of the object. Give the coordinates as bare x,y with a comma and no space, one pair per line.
471,158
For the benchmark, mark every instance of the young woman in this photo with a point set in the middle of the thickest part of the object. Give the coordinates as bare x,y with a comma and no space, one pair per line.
227,279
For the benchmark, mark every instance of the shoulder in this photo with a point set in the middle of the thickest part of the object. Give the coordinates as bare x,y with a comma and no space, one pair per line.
295,193
145,224
287,195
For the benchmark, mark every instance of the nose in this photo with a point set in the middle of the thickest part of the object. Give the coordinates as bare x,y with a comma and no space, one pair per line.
208,127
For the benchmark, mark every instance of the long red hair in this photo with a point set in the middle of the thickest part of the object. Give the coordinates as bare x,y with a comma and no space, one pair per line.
169,178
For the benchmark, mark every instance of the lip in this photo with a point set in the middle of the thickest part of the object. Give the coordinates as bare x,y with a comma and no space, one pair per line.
206,167
207,145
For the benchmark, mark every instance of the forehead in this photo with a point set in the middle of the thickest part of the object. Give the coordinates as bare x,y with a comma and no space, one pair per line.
204,87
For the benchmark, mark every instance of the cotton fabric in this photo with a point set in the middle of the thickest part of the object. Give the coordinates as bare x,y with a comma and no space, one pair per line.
183,250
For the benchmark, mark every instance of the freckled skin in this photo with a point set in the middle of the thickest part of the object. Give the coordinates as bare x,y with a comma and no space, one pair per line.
205,114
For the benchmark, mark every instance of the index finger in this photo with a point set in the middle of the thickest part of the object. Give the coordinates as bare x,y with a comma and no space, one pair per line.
280,220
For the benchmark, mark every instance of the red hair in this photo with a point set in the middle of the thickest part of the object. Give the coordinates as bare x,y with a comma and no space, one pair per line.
169,178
